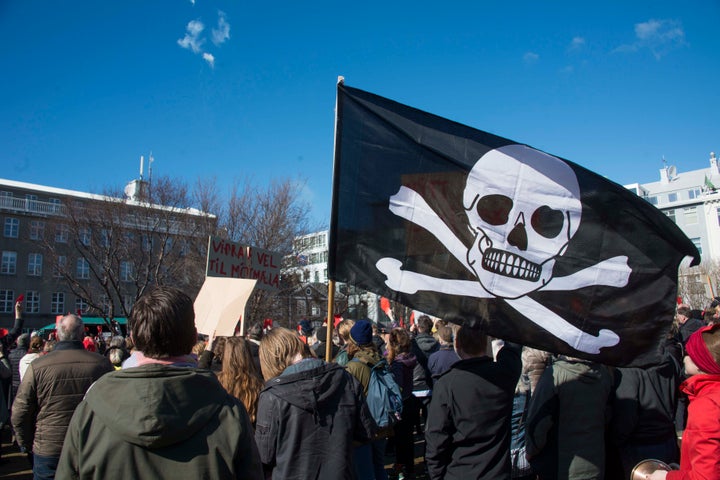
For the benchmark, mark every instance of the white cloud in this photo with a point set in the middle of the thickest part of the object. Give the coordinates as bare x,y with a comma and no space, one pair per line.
576,44
192,38
659,36
530,58
209,58
222,32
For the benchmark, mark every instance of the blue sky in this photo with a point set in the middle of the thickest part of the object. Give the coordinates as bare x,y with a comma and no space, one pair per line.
229,89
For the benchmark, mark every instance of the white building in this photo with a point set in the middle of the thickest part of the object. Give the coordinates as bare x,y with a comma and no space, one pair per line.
692,200
311,260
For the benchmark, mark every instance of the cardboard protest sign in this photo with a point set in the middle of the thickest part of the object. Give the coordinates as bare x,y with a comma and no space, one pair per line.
230,259
220,304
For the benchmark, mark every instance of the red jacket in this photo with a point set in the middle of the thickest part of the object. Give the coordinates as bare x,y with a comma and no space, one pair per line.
700,451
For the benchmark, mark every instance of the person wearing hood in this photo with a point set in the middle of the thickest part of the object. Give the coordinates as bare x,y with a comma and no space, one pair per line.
468,429
402,365
309,412
163,417
566,420
700,448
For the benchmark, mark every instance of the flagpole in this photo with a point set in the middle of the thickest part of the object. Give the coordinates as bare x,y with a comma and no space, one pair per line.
333,226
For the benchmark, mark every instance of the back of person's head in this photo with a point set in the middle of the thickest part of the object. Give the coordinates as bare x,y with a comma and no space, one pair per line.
162,323
255,332
445,335
343,329
236,358
321,334
471,341
399,341
279,349
36,344
709,317
23,341
703,347
306,328
424,324
70,328
89,344
684,310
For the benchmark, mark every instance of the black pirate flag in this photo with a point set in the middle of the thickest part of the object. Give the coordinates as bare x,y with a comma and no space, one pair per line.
450,220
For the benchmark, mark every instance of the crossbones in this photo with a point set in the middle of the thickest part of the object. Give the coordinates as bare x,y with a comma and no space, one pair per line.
523,207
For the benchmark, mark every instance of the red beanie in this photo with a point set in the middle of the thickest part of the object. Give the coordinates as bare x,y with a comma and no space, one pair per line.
699,347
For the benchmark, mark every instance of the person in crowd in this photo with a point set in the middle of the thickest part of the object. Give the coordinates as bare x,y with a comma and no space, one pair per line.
423,345
643,410
440,362
22,343
238,374
52,387
368,458
402,365
710,316
89,344
306,330
116,351
520,467
468,428
163,418
566,421
700,448
34,350
253,336
7,339
320,345
309,412
5,373
687,323
377,338
343,330
534,363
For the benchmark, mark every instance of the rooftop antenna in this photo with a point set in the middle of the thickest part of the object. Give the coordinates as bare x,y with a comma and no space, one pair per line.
150,162
142,160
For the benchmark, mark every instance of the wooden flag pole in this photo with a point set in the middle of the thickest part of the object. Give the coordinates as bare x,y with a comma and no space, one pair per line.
330,320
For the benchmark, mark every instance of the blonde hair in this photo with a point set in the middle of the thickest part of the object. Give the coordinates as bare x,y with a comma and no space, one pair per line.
343,329
239,375
278,349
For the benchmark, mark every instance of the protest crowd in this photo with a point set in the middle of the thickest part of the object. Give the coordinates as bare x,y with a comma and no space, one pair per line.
162,403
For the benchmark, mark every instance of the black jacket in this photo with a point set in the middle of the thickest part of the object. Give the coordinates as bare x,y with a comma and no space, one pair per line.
645,400
423,345
468,427
307,420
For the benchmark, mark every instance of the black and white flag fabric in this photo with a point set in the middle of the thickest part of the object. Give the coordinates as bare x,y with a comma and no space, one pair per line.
450,220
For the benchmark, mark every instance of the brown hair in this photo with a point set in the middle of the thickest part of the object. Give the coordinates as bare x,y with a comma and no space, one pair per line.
472,341
278,349
162,323
36,344
343,329
398,343
239,375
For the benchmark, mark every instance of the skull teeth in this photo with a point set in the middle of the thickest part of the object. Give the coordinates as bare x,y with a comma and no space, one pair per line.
510,265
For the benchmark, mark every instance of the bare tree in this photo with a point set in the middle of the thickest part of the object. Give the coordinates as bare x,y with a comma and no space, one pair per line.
268,218
110,249
697,285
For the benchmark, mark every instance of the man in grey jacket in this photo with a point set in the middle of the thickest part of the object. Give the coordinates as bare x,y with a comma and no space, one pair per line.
52,387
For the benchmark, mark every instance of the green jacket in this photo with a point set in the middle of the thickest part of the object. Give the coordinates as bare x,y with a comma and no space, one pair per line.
360,369
158,421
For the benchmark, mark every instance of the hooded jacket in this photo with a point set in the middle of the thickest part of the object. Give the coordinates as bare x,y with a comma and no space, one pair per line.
700,454
403,368
159,421
467,433
307,420
565,427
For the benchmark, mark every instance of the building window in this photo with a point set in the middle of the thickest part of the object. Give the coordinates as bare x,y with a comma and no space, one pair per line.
57,303
104,238
34,267
56,205
718,215
128,302
698,244
82,270
32,301
690,215
653,200
7,301
81,306
694,193
105,305
12,227
84,235
672,197
126,271
670,214
9,263
62,233
146,243
37,229
60,267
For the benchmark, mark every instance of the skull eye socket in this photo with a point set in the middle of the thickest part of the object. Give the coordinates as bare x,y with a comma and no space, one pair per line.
547,221
494,209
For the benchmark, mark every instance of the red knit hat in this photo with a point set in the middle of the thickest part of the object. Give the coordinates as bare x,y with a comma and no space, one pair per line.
703,347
